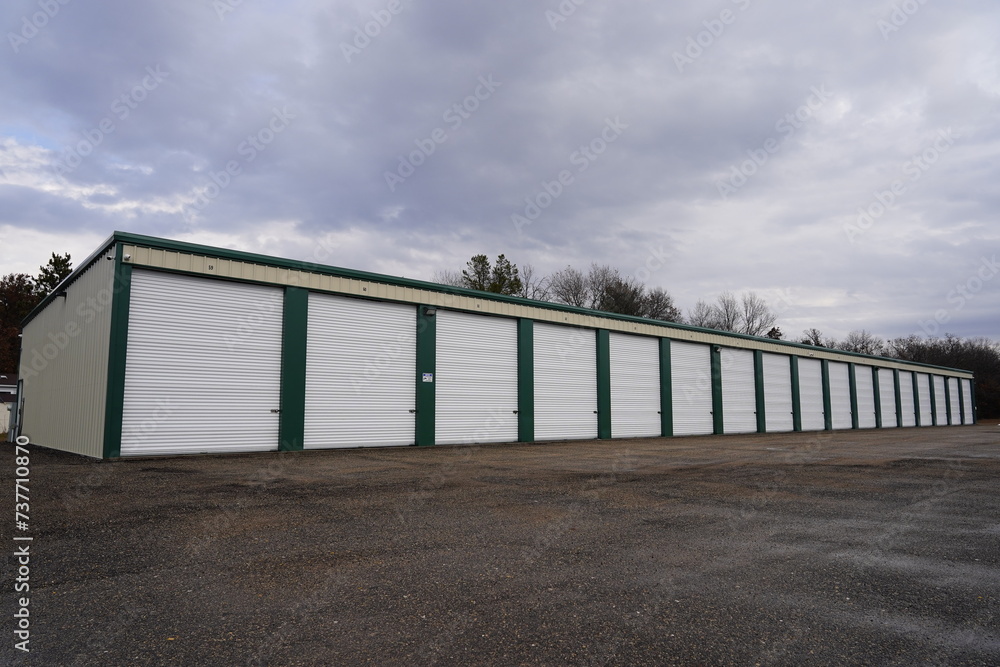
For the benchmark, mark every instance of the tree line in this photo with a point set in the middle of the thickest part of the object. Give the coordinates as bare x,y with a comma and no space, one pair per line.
19,294
604,288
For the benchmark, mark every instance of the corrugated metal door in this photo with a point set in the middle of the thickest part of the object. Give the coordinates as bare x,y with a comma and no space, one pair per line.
924,399
906,402
967,396
777,393
691,379
360,373
565,382
840,395
476,394
940,402
739,391
887,397
865,386
203,366
956,408
811,394
635,386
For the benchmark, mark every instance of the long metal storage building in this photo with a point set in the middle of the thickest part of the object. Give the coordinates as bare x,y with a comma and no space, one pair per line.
157,347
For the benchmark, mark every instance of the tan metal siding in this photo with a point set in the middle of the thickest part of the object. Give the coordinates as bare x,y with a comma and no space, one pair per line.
64,364
168,259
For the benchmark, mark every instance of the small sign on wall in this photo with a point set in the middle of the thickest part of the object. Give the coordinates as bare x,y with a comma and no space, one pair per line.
428,377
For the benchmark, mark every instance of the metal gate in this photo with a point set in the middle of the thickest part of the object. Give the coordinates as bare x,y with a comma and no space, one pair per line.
739,391
691,379
203,366
924,399
635,386
476,378
940,401
906,402
887,397
840,395
777,393
565,382
811,394
360,373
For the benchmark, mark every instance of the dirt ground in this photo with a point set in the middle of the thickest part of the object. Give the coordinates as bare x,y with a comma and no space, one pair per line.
865,548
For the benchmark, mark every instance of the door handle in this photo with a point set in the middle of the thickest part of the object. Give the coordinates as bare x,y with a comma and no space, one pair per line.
275,411
413,412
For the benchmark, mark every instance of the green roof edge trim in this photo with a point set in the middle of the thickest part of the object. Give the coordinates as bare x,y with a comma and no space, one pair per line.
324,269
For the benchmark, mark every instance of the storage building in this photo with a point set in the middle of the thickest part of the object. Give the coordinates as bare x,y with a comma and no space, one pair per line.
157,347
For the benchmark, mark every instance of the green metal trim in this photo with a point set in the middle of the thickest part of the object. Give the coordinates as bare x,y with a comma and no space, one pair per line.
666,391
603,384
322,269
852,381
899,398
294,327
793,364
827,403
930,385
877,390
718,423
525,380
114,402
426,363
947,402
916,399
961,403
758,384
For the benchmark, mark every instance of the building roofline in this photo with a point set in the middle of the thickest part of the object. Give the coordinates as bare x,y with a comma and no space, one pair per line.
119,237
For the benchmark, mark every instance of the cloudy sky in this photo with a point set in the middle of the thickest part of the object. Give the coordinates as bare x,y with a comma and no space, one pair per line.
839,158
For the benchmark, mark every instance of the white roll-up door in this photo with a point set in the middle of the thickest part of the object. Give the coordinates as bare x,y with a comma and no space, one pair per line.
887,397
777,393
203,366
956,411
691,380
360,373
924,399
967,404
906,402
811,394
739,392
635,386
840,395
940,401
864,384
565,382
476,378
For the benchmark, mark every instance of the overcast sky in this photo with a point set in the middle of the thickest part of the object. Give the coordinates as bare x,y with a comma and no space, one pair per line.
839,158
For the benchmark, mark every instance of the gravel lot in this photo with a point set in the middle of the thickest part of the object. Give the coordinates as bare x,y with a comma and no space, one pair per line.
829,549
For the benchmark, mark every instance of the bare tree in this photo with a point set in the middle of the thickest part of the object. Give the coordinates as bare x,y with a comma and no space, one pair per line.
862,341
727,312
756,317
660,306
626,296
446,277
702,315
813,337
570,287
533,286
